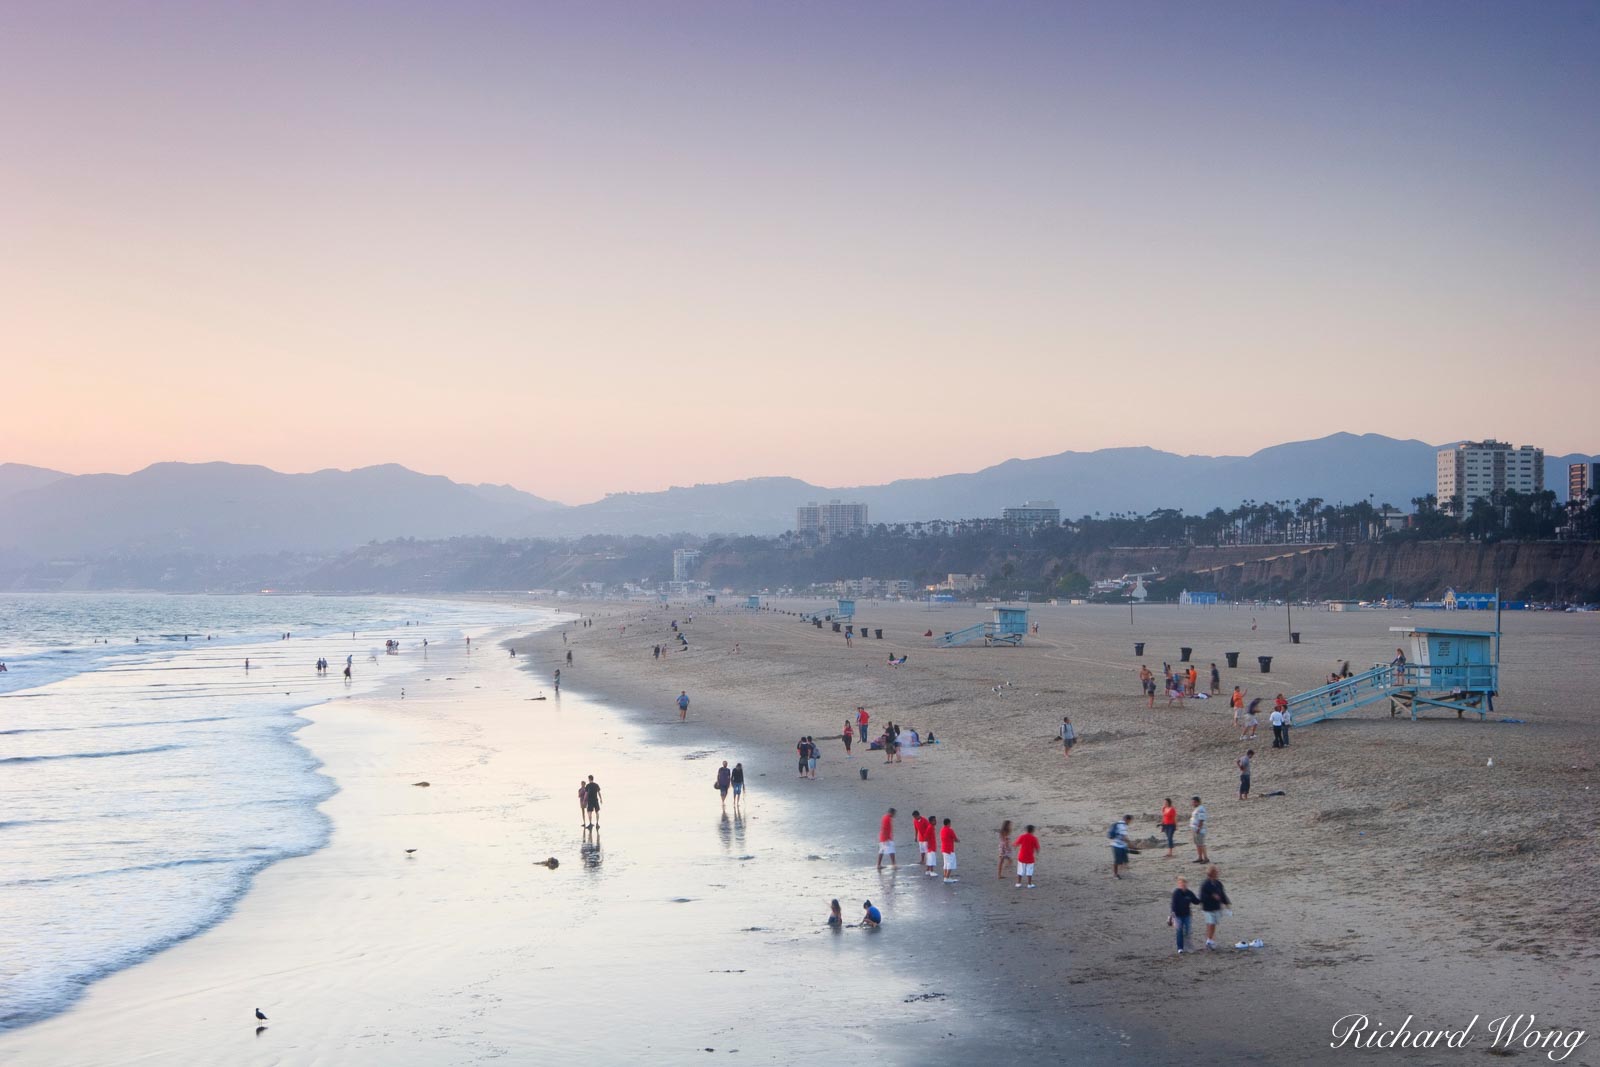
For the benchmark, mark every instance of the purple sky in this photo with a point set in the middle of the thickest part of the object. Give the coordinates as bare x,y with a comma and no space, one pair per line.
603,247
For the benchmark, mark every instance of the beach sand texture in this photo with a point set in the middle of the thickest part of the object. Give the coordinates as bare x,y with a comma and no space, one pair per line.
1399,875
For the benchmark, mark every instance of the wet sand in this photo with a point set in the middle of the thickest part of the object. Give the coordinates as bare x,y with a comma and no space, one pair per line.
1400,875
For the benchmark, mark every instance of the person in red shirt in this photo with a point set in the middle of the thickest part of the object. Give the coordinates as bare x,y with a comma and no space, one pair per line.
947,845
1027,852
862,718
919,831
886,839
930,859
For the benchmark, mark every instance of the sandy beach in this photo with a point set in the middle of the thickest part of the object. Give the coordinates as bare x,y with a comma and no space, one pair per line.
1400,874
675,932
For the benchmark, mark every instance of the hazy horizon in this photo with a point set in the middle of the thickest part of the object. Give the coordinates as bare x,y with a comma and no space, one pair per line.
607,247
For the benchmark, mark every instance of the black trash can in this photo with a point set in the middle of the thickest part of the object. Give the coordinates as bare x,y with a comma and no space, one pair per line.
1184,658
863,774
878,634
1294,637
1266,664
818,622
1233,658
836,627
1138,648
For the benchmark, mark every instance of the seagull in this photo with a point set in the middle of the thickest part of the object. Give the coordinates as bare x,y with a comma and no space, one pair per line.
260,1015
409,851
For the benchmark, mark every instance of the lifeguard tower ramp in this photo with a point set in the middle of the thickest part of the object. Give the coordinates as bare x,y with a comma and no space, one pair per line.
1006,628
1458,670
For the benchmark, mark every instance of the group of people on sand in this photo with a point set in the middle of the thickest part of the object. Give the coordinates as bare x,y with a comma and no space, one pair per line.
937,843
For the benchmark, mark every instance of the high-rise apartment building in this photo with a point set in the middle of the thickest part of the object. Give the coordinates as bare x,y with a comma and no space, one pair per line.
833,519
1582,479
684,562
1032,513
1478,470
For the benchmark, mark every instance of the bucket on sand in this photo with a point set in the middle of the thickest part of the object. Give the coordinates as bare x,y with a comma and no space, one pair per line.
863,774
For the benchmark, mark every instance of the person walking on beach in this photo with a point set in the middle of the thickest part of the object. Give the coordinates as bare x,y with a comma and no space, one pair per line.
1183,902
683,706
802,751
724,782
1214,903
1277,727
1197,830
1005,850
591,804
1119,845
558,680
738,785
1169,823
1147,682
886,839
862,718
1243,763
813,756
947,845
1250,721
848,736
569,657
1216,681
1288,721
1069,737
1027,853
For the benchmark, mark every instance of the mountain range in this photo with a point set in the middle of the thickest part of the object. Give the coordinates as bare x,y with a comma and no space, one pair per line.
229,509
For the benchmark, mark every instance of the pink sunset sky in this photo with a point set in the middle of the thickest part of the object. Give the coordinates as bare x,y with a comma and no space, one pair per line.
594,247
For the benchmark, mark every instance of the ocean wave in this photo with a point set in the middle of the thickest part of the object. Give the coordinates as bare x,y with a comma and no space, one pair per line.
90,755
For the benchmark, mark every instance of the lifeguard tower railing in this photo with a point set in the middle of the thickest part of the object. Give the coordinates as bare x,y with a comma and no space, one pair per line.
1458,687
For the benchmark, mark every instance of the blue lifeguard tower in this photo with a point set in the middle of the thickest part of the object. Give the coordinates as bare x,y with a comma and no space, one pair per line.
752,602
1008,627
847,609
1458,670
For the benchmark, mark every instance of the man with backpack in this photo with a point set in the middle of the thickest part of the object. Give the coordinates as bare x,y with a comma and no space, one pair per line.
1118,836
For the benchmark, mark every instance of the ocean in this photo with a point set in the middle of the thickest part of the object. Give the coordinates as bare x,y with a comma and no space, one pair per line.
146,776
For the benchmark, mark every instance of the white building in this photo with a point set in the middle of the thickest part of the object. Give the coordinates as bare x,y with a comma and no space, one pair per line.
1031,514
833,519
1478,470
684,562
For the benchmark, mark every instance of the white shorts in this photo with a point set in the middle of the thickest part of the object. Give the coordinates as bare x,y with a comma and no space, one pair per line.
1024,869
930,858
885,848
922,848
949,861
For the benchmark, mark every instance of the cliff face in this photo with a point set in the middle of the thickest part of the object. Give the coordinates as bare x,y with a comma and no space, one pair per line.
1543,570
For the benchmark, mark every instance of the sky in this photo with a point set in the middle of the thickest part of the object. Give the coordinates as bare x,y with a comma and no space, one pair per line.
597,247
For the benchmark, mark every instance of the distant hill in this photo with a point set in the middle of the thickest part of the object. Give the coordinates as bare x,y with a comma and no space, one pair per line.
1341,467
230,509
17,477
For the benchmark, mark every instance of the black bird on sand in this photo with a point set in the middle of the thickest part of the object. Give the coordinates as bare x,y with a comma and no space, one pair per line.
259,1015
